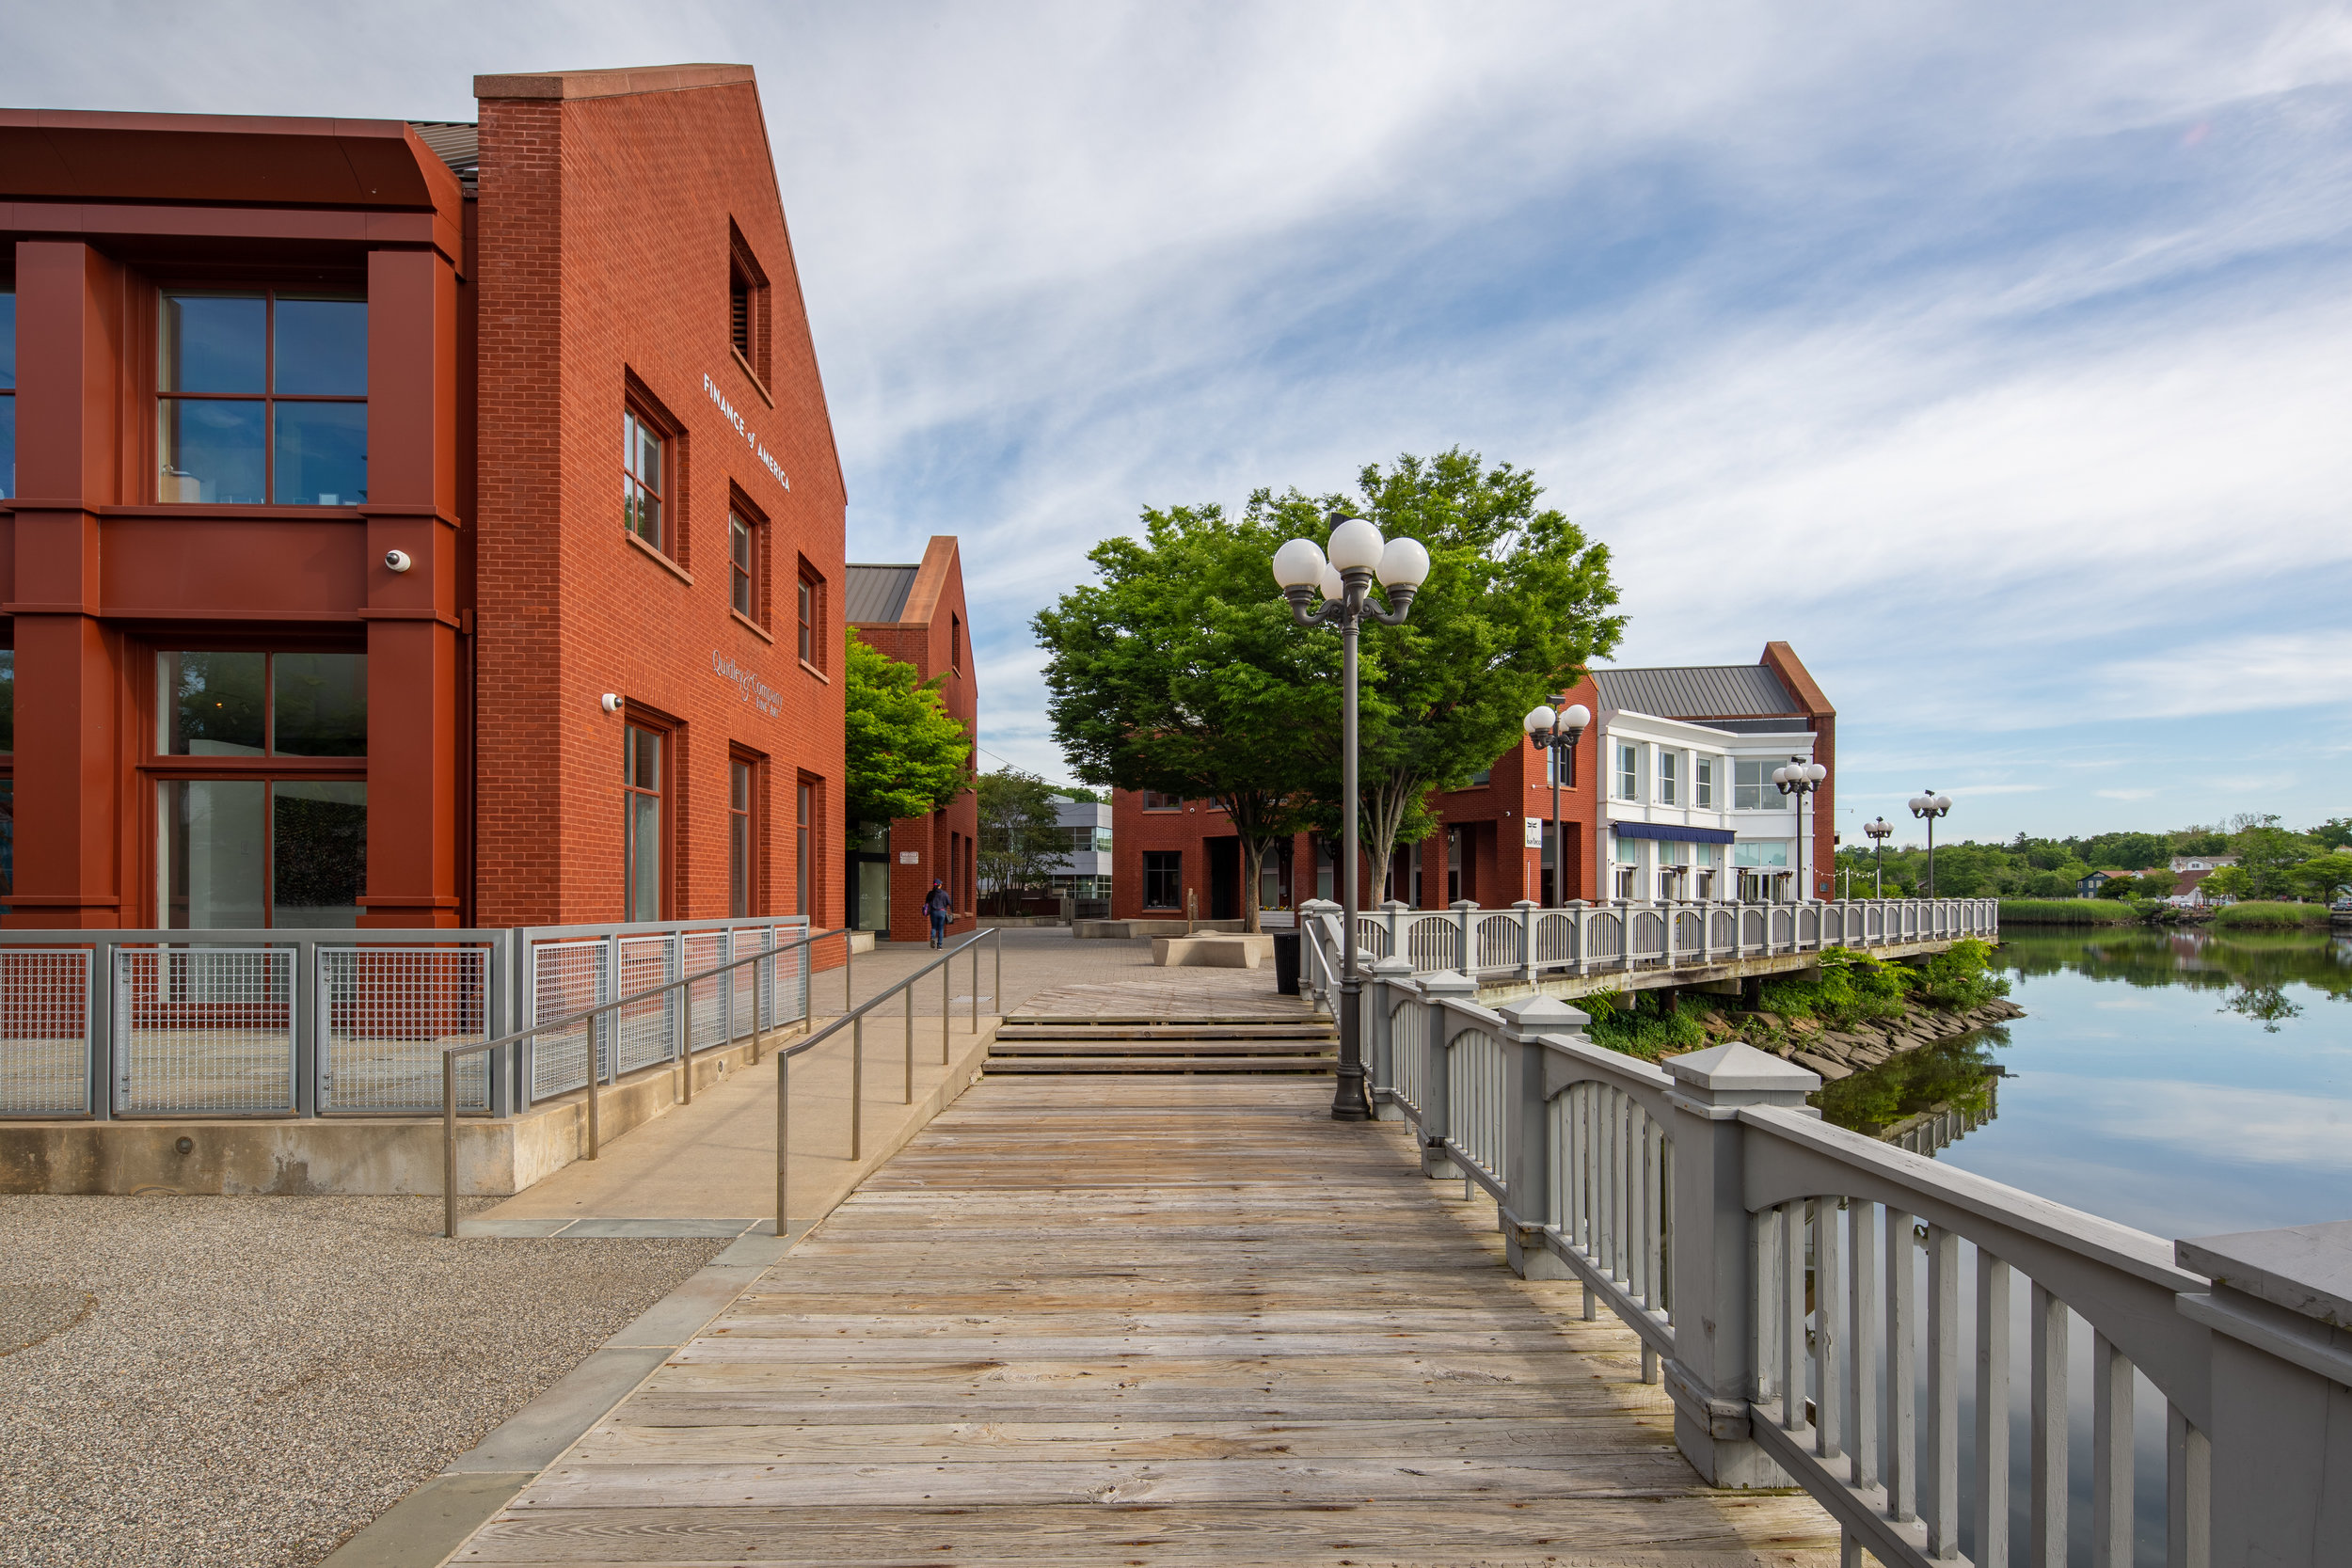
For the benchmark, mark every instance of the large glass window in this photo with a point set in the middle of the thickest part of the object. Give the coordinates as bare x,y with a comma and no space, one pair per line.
1751,786
263,399
1163,878
8,396
250,704
642,465
741,841
640,823
252,852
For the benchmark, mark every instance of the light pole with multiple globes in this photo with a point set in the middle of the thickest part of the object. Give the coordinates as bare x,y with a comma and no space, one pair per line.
1556,733
1927,806
1357,554
1801,778
1880,830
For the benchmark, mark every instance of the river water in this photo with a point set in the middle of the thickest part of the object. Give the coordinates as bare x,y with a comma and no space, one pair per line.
2185,1082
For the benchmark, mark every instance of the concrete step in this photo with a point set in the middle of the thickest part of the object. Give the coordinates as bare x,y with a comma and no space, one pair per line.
1167,1032
1308,1046
1230,1065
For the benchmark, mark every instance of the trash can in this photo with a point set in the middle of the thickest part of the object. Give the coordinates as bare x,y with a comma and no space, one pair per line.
1286,962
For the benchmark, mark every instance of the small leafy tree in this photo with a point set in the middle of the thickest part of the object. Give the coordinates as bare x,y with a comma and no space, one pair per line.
1021,839
1180,671
904,755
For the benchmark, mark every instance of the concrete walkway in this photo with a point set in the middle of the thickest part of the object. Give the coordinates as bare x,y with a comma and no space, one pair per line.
708,1168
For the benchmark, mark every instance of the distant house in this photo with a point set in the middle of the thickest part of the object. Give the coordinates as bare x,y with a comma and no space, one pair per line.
2203,862
2189,892
2088,887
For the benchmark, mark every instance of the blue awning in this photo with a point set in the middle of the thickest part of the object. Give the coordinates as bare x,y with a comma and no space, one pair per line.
1672,834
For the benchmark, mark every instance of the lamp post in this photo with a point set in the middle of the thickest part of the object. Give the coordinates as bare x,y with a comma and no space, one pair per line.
1880,830
1928,807
1357,554
1556,733
1801,778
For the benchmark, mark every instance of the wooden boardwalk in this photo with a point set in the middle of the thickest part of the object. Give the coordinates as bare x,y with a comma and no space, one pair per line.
1147,1322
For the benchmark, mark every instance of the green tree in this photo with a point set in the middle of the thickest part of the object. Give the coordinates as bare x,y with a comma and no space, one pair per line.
1515,603
2336,832
2267,855
904,755
1180,671
1021,840
2323,878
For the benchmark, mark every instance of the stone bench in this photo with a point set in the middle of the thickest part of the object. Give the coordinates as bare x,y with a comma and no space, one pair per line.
1213,952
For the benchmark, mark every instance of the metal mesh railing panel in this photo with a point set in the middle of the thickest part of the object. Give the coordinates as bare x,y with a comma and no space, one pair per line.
1501,938
743,983
1555,939
385,1013
204,1030
1434,942
648,1028
705,1000
566,977
44,1032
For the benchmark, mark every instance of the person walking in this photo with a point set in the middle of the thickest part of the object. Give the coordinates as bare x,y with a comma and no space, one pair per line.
939,907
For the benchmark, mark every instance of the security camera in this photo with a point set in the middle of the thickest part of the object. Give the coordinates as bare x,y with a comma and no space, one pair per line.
611,702
398,560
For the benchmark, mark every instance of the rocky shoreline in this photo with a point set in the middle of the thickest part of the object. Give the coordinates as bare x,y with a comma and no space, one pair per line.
1836,1054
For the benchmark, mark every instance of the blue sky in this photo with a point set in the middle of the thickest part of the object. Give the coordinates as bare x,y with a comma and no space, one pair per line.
1999,358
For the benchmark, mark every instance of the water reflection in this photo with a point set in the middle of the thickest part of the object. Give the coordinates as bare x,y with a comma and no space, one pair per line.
1950,1085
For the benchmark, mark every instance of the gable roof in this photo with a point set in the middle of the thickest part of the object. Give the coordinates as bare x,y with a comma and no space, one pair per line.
878,594
1697,691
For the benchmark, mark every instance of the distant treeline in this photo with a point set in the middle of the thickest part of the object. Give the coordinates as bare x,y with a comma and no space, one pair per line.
2278,863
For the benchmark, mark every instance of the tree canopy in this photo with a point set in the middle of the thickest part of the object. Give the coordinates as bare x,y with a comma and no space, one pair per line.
2277,862
904,755
1021,838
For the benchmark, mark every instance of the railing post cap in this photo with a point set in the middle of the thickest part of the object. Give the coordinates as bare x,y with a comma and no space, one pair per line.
1395,904
1391,968
1737,1067
1527,1015
1449,982
1318,905
1463,904
1525,904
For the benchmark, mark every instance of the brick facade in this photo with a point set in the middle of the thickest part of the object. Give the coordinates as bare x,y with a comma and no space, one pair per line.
932,631
507,327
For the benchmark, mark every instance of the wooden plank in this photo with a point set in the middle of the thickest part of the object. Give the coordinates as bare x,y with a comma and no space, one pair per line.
1148,1319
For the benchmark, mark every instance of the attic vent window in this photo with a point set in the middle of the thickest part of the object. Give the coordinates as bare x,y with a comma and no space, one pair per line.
747,304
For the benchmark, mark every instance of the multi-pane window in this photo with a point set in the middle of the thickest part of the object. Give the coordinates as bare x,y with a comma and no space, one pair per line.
278,835
747,304
641,780
645,466
1669,778
1629,772
261,399
803,900
8,396
812,616
1751,786
1155,800
741,842
1703,783
1163,878
743,565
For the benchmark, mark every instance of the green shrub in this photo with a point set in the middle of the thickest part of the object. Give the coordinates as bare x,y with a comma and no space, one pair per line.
1853,987
2261,915
1959,977
2065,912
1634,1024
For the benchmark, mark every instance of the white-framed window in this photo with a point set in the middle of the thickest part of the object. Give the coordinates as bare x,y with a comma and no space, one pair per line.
1751,786
1629,771
1669,780
1703,783
1760,852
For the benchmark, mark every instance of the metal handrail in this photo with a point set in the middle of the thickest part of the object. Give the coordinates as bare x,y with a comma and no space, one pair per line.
853,1019
686,1057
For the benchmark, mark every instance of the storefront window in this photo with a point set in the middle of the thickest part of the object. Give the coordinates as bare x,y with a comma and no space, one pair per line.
242,853
263,399
640,823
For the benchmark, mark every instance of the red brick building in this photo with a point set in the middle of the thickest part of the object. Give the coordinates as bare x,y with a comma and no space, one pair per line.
916,614
1670,798
331,596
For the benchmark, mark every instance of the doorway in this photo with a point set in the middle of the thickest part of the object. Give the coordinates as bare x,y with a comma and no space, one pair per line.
1224,878
870,882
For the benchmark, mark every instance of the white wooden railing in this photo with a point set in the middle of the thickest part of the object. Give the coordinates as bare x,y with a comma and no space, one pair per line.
1861,1305
1527,940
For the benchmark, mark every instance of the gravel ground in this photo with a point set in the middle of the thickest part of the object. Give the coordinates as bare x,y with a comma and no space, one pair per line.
249,1380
